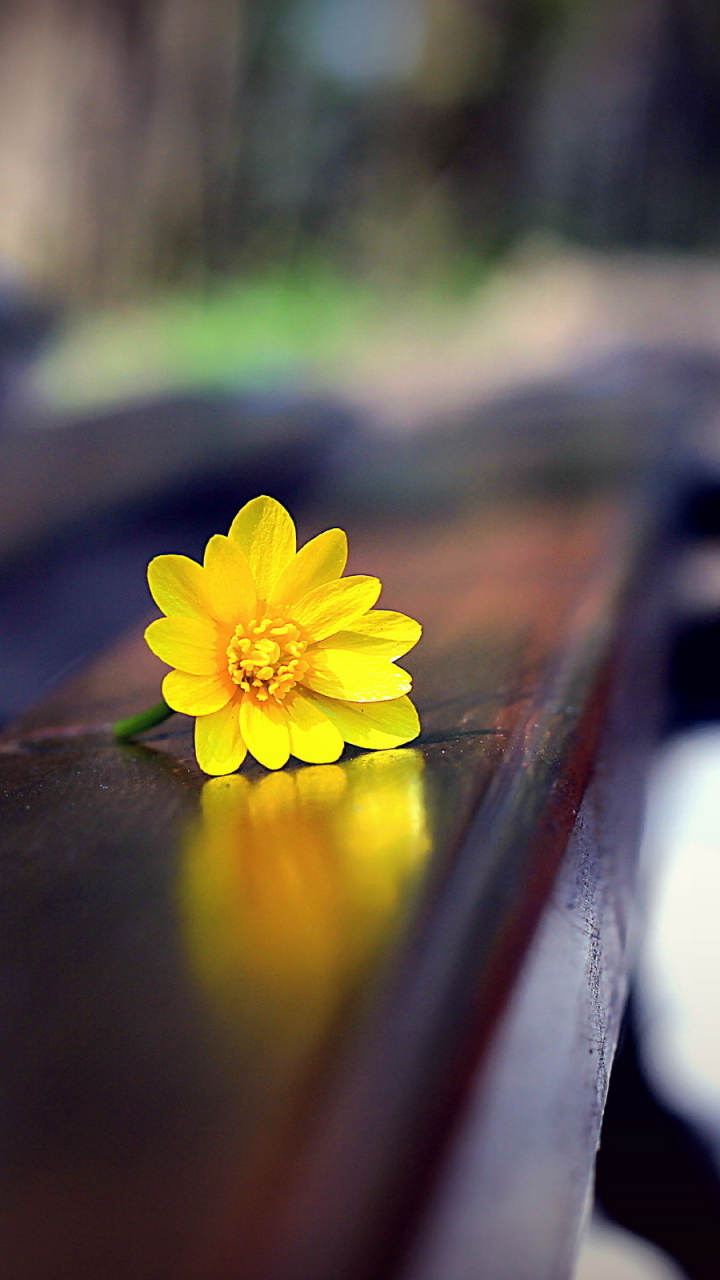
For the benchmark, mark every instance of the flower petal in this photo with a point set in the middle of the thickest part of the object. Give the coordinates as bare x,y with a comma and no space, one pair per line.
313,737
188,643
380,633
197,695
353,676
337,604
218,742
264,530
177,585
318,562
376,725
229,581
264,726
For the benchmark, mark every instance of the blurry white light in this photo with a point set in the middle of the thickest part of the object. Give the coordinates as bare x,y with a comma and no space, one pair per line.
679,978
365,40
609,1253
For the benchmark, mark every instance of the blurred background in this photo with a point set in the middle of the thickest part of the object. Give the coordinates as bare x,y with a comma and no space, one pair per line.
263,238
244,188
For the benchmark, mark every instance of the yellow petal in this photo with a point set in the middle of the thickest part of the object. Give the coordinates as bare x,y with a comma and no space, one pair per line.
334,606
188,643
229,582
264,530
340,674
312,736
375,725
177,585
380,633
218,743
318,562
197,695
264,726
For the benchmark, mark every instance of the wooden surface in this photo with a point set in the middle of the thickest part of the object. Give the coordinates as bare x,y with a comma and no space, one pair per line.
236,1045
513,1189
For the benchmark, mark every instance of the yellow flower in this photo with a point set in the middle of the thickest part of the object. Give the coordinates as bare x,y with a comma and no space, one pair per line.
274,651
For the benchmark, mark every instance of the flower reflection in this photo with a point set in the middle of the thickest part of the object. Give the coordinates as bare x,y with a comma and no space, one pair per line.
292,887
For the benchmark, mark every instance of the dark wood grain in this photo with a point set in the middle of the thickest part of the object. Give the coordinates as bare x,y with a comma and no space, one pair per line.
204,1086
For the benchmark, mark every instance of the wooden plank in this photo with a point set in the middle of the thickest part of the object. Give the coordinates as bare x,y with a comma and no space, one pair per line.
236,1044
58,472
515,1185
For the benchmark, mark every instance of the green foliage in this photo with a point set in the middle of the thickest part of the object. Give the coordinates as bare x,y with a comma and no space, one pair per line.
284,325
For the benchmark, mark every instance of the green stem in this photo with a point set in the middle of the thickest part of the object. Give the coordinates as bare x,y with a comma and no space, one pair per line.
130,728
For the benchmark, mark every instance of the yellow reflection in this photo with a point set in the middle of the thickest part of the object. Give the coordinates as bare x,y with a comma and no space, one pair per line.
291,885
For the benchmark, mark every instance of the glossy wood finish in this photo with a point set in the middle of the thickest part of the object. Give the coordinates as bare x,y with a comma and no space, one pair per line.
236,1045
516,1182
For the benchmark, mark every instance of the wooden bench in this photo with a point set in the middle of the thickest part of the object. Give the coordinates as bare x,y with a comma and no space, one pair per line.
347,1021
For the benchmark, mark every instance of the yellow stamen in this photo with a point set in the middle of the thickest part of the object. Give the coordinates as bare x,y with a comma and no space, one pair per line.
265,657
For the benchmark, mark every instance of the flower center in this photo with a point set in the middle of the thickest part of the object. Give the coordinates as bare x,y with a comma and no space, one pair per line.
265,657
